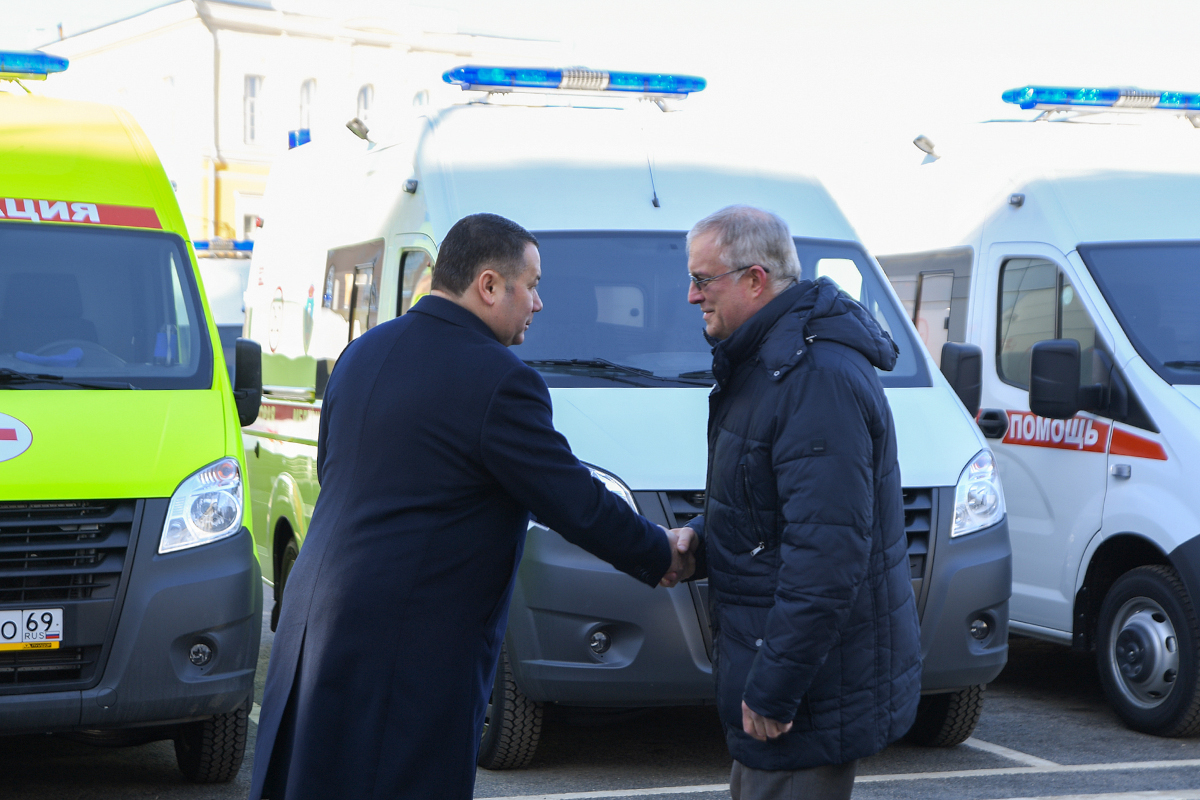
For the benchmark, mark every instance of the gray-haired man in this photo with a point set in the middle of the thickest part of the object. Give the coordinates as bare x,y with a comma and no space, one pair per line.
815,627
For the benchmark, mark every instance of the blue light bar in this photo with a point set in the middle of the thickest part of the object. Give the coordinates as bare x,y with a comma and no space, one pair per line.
30,63
572,79
1064,96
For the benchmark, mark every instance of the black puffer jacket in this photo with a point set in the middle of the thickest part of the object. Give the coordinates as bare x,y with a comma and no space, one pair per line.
812,609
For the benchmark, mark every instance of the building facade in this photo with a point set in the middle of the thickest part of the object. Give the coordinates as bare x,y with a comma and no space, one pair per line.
222,88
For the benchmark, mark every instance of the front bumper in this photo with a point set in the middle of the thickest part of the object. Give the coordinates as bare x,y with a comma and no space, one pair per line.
136,638
967,578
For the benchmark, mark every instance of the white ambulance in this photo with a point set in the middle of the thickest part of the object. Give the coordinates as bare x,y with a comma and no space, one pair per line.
609,184
1067,248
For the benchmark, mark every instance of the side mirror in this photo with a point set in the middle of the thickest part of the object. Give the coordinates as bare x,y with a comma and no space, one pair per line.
962,364
1054,379
247,380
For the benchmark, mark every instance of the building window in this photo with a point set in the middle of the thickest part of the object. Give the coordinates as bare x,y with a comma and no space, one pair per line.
308,93
366,99
250,108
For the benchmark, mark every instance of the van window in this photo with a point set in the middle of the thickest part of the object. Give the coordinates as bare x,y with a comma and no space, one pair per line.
112,306
416,274
351,290
616,312
1038,302
1153,289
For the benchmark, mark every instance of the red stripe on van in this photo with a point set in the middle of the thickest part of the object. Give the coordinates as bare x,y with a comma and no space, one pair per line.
1125,443
8,434
128,216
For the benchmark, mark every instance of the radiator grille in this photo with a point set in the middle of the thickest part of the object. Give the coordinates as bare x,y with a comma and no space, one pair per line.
918,526
59,551
685,506
41,666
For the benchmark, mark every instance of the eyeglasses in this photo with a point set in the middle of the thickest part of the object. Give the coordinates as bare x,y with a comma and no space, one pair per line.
699,282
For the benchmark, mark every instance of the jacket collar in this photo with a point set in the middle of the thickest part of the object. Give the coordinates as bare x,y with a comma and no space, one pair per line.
744,342
443,309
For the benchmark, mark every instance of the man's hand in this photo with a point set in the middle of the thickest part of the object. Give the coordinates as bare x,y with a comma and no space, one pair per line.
760,727
683,543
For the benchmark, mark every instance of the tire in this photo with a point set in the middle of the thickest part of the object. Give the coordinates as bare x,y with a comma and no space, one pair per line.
211,751
1146,650
513,724
288,560
944,720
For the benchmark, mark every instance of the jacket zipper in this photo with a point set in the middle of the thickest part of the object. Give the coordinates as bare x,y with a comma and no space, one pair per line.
762,544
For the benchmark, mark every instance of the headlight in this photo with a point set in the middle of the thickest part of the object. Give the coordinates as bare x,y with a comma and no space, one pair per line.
614,485
205,508
978,498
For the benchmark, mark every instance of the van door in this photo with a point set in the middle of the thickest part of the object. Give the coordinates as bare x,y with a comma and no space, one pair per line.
408,272
1054,471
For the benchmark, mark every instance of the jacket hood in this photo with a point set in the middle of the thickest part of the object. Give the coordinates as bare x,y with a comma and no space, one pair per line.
782,330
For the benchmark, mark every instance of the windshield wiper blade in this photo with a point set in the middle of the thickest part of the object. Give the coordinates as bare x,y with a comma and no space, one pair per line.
12,377
700,373
605,364
1182,364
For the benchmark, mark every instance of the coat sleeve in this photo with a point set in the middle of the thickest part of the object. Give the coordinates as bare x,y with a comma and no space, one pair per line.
822,458
534,464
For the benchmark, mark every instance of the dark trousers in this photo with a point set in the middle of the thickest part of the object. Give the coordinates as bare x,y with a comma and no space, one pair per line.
833,782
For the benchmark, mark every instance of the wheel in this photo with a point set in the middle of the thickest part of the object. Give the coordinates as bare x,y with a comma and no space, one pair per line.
211,751
1146,651
944,720
513,723
288,560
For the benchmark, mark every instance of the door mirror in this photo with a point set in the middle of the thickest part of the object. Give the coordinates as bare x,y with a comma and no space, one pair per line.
962,364
247,380
1054,379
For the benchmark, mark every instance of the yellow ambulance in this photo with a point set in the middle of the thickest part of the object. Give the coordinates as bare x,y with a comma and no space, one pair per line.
130,595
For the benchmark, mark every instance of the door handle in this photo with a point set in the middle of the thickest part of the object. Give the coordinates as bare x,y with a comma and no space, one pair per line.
993,422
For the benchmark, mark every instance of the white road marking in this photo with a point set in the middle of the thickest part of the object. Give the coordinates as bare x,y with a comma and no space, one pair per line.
254,712
1011,755
1050,769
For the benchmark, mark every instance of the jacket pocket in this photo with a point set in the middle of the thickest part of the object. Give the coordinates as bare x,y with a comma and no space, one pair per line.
752,513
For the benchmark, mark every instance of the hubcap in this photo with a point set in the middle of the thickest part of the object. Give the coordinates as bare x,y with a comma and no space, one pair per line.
1145,652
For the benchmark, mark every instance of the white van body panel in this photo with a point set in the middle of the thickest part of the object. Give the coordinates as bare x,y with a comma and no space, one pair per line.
1079,183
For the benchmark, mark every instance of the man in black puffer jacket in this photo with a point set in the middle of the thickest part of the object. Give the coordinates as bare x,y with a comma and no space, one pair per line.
816,639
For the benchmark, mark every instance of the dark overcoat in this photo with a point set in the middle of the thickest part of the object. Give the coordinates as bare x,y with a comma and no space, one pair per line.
814,619
435,443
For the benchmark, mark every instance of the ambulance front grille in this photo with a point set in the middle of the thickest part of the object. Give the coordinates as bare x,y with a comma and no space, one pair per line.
42,666
685,506
55,551
919,527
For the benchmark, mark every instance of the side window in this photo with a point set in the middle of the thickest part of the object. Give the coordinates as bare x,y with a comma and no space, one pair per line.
844,273
351,288
416,274
1037,302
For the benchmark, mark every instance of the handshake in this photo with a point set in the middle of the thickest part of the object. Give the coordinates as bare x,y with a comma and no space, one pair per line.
683,543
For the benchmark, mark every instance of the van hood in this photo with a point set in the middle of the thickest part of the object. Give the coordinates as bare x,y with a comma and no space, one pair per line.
1189,390
100,445
656,439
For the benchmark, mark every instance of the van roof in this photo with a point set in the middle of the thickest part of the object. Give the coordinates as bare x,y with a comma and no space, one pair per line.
1082,181
81,153
569,168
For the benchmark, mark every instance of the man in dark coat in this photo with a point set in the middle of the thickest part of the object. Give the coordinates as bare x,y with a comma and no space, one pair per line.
435,442
816,639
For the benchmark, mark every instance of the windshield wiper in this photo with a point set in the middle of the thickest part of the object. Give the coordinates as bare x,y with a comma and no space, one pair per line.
700,373
605,364
13,378
1182,364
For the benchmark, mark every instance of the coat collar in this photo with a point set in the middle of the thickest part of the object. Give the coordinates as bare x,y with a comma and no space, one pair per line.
443,309
745,341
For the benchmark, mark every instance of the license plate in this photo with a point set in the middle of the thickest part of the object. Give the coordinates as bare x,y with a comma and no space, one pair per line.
31,629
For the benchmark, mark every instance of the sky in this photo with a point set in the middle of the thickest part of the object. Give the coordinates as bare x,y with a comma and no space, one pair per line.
839,84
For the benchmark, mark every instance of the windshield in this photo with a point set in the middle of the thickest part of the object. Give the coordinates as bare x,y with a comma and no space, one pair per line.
1153,289
104,307
616,303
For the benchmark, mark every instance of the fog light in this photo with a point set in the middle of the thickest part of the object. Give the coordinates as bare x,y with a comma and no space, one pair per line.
200,654
980,629
600,642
